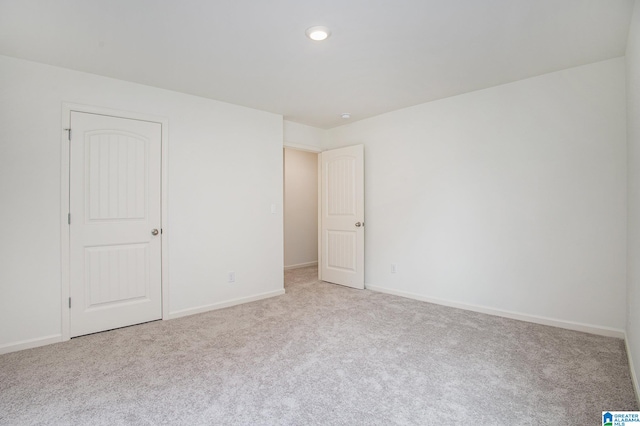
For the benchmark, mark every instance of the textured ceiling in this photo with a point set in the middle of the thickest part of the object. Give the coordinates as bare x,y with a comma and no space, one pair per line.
382,55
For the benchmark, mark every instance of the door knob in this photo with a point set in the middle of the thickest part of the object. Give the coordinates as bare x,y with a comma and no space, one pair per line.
154,232
358,224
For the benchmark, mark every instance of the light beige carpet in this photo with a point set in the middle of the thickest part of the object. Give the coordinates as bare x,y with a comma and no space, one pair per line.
321,354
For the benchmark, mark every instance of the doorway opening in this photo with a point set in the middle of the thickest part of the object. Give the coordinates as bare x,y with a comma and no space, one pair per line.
325,189
300,214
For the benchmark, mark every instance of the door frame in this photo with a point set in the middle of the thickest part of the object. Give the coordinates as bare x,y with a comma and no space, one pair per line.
315,150
65,247
319,168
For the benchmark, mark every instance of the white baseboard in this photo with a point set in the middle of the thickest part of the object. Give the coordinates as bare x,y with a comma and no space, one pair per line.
42,341
569,325
30,343
634,377
301,265
228,303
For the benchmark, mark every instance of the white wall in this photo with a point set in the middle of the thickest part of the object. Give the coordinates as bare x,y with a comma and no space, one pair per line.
303,137
300,207
225,171
511,198
633,140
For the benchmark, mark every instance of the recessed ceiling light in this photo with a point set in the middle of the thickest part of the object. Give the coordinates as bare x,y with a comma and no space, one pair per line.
318,33
345,115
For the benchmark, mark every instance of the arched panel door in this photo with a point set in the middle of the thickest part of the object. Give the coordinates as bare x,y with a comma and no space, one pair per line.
342,216
115,207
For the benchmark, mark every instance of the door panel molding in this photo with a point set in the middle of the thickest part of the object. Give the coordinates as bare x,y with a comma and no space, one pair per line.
67,109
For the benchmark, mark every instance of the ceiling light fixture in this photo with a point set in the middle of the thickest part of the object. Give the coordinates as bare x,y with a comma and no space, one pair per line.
345,115
318,33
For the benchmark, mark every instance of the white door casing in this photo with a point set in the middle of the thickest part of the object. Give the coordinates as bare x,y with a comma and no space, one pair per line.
342,216
115,205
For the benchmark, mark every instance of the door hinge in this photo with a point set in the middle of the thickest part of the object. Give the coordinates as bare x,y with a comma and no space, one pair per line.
68,133
69,218
160,230
69,303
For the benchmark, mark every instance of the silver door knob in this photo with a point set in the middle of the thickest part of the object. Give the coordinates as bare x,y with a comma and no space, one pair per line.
358,224
154,232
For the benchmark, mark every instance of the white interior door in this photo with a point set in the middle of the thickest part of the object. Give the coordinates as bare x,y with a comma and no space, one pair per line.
342,216
115,244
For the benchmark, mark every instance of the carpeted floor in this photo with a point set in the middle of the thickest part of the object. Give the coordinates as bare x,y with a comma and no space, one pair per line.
321,354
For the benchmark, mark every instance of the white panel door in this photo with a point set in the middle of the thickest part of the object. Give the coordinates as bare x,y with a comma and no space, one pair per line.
115,244
342,216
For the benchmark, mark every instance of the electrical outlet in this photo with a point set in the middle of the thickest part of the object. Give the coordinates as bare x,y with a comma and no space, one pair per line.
232,277
394,268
